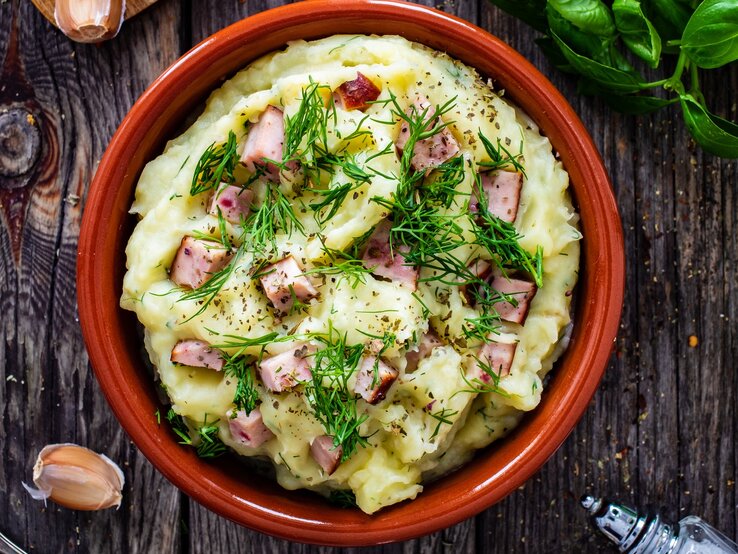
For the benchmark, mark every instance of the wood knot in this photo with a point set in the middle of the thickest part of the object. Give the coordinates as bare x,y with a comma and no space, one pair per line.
20,141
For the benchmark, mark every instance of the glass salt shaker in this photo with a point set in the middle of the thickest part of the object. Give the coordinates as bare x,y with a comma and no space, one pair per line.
649,534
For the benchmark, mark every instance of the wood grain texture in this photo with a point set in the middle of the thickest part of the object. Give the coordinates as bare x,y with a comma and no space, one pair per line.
661,429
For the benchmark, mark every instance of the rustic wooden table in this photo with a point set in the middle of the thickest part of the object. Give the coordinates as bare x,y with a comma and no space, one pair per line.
661,430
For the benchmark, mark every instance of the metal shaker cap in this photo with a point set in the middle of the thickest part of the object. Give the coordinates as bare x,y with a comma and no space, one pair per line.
621,524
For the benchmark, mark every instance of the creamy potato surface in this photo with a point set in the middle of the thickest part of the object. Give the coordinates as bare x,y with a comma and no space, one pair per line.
345,179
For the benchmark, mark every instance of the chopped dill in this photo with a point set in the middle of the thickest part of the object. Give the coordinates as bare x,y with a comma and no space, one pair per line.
216,165
501,240
443,417
478,386
240,368
275,213
243,343
210,445
346,265
333,404
343,498
500,157
179,426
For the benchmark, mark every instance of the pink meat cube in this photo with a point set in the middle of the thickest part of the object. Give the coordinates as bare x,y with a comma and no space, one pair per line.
381,260
498,356
196,353
286,370
355,95
430,152
283,282
234,202
502,189
265,141
522,292
196,261
250,429
428,342
326,453
374,390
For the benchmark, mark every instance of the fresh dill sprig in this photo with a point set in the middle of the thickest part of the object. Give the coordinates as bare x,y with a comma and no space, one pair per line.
345,264
343,498
179,426
216,165
240,368
443,417
333,404
306,131
501,157
209,444
275,213
477,386
244,343
418,222
501,240
331,197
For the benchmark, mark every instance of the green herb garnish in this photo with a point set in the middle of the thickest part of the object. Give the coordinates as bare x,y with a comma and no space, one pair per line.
595,40
216,165
240,368
208,443
329,396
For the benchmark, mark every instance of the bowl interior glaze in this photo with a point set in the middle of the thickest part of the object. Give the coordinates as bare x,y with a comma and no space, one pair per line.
113,342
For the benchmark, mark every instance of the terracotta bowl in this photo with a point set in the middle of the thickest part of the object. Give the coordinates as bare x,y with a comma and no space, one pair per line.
111,334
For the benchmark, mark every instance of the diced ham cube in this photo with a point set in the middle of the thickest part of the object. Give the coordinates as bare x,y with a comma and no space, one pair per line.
234,202
286,370
498,357
520,291
428,342
250,429
283,282
326,453
432,151
371,390
379,259
355,95
196,261
196,353
502,189
265,141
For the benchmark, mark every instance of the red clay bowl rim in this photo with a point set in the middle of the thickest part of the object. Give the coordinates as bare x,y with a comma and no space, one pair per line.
474,488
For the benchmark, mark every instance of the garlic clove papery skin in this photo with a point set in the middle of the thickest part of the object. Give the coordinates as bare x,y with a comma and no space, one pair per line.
77,478
89,20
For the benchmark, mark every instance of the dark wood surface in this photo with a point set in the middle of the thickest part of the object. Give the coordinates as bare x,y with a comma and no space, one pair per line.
661,429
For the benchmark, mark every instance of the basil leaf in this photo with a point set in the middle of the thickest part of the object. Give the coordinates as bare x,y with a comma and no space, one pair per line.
552,52
669,17
589,15
532,12
714,134
636,30
710,38
611,78
636,105
581,42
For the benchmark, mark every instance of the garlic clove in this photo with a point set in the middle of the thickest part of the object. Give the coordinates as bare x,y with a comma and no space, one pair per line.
77,478
89,20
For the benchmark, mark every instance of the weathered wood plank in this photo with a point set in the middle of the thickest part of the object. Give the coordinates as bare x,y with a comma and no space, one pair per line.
661,429
78,94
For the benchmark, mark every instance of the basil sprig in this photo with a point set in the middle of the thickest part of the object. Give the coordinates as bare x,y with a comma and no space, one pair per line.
604,42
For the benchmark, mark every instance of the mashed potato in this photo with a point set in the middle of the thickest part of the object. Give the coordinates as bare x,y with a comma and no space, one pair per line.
433,412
